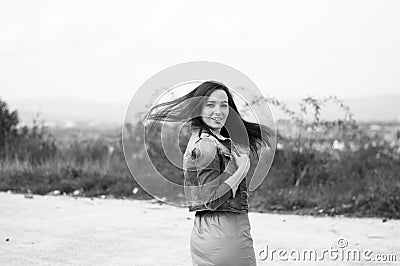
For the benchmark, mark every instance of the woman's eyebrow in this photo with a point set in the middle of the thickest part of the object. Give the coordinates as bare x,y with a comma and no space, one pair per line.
212,101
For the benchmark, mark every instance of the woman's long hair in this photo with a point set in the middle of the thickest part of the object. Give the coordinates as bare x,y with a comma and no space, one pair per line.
188,108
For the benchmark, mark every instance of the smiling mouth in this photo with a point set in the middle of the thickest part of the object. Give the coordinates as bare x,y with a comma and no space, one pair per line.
219,120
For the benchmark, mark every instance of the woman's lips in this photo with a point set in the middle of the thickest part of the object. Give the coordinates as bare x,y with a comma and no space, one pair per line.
217,119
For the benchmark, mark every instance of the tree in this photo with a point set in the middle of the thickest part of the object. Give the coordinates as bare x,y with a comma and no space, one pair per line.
8,128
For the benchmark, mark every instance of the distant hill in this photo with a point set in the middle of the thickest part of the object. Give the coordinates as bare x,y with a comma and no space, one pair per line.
71,112
372,108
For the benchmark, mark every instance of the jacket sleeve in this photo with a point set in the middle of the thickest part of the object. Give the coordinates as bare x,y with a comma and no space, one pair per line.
213,190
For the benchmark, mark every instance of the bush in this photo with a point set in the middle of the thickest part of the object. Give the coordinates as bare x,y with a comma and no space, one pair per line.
324,168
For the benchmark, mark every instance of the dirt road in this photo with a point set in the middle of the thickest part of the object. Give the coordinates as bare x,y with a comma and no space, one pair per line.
50,230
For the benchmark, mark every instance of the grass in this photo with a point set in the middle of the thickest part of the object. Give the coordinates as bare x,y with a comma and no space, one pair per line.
353,185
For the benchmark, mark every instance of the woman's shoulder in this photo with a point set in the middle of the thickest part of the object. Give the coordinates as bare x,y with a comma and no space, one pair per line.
203,149
206,144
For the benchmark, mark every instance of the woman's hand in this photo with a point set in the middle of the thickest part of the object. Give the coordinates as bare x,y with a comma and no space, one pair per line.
243,163
242,160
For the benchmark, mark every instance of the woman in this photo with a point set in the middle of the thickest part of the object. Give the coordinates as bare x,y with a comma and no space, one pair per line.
215,164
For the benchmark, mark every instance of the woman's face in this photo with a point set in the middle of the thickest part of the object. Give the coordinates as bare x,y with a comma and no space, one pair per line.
215,110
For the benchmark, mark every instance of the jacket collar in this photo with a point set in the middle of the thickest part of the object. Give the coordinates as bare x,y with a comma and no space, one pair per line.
220,137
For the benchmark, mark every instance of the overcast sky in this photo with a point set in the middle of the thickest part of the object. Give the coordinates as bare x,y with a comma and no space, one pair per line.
104,50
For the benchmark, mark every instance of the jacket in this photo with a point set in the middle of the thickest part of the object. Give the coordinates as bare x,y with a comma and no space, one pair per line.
207,164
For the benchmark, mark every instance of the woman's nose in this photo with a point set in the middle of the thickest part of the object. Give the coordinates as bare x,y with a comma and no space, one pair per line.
217,110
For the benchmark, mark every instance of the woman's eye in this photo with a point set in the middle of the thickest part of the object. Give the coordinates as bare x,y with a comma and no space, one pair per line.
210,105
224,105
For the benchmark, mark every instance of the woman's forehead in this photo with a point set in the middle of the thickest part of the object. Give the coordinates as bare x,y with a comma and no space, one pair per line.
218,95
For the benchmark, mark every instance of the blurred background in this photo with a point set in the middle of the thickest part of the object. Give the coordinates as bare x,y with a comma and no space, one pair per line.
330,72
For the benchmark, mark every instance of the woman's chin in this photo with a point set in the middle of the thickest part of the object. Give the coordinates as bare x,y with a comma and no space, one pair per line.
213,126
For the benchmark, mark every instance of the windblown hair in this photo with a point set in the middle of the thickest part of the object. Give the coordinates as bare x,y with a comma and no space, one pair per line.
188,108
